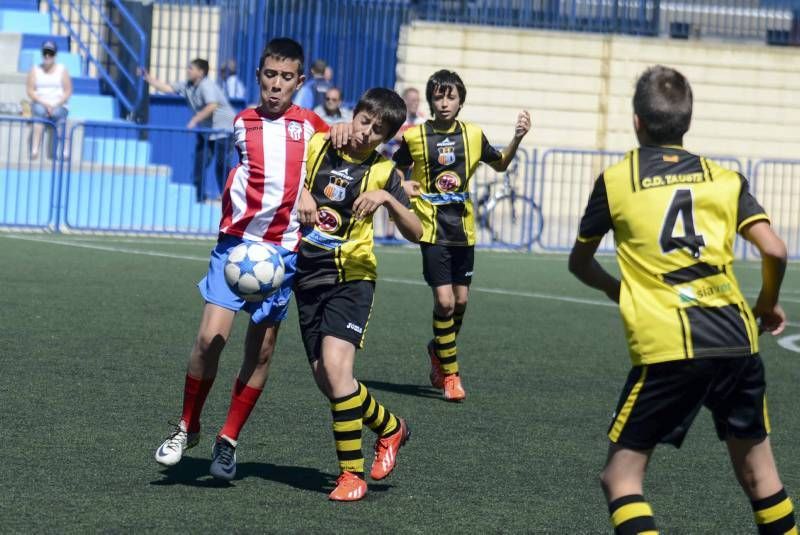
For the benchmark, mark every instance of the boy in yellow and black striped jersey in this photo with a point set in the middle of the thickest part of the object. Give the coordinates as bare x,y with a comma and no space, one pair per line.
693,338
445,153
335,280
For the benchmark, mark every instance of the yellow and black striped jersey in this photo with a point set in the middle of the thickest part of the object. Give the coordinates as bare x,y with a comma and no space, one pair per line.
340,247
443,163
675,216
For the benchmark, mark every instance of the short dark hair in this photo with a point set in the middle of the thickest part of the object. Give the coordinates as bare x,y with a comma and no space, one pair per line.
283,48
663,102
441,80
318,67
386,104
201,64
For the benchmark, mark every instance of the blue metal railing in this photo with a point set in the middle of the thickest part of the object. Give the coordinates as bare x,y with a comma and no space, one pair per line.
91,29
611,16
357,38
776,21
28,186
565,182
123,178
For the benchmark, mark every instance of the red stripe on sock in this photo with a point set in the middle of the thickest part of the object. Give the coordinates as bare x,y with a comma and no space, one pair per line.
195,392
243,399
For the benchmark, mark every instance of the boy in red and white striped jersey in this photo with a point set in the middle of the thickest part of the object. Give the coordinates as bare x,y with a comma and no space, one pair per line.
262,199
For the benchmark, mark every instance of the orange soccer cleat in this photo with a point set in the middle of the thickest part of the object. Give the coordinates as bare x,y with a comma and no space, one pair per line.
386,451
453,391
349,488
436,376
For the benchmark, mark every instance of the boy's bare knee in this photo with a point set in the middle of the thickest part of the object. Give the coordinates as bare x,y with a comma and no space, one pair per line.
209,344
445,307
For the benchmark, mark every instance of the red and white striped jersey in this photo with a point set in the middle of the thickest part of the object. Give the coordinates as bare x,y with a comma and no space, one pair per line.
262,192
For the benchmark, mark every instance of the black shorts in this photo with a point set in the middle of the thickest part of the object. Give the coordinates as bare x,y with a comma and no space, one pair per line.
660,401
341,310
447,264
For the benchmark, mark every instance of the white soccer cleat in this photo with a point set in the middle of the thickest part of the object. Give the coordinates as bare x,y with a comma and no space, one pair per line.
179,440
223,459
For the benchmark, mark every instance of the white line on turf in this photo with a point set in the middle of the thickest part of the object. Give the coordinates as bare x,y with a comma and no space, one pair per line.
480,289
140,252
106,248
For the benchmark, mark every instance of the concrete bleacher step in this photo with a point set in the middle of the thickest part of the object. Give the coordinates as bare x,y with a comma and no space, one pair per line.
92,108
28,57
13,20
35,40
85,85
26,5
10,45
117,152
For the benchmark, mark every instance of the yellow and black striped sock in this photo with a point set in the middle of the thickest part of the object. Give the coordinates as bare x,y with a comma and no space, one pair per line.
444,342
631,515
458,318
775,515
375,415
347,424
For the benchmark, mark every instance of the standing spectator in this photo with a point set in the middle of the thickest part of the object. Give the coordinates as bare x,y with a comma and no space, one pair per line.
413,118
331,110
49,88
232,86
312,92
413,115
328,75
211,110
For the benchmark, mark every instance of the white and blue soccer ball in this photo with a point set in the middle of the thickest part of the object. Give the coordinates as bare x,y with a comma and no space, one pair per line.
254,270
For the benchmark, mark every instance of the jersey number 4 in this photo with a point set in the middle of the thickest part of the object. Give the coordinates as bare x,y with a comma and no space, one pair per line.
681,206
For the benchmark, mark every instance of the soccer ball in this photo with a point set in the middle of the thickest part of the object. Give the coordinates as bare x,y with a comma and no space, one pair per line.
254,270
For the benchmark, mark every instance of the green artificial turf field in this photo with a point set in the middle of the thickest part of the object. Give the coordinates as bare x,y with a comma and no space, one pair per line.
94,337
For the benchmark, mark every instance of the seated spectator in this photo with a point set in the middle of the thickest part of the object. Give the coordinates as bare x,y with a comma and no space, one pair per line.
231,85
49,87
312,92
211,110
331,110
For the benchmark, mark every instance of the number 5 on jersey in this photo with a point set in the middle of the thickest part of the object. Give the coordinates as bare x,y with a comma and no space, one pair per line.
682,205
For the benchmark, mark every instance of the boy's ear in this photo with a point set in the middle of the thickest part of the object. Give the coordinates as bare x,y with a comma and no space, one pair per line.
300,81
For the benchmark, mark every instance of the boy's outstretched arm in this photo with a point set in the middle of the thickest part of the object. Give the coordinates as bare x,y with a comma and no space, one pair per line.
521,128
583,265
773,266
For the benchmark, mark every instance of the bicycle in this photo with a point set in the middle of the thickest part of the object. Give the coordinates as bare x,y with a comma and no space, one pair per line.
510,218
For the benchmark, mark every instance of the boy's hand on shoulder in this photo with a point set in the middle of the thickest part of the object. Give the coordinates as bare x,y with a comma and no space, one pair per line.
340,134
523,125
411,187
368,202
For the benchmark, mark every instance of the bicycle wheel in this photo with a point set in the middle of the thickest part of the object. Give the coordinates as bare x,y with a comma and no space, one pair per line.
514,221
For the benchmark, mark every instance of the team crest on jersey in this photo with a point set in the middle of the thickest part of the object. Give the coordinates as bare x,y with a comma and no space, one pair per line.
337,184
295,130
328,219
447,182
447,154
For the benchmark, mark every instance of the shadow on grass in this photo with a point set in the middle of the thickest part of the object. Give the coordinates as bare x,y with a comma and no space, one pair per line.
406,389
193,472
